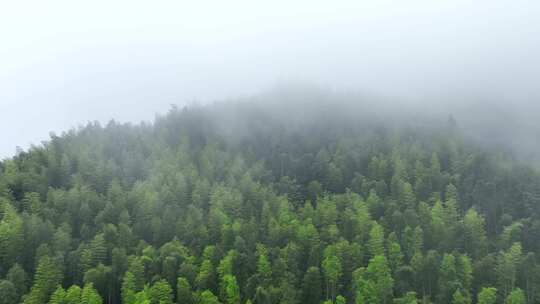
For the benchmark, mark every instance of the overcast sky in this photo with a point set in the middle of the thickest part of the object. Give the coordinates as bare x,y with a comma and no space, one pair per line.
63,63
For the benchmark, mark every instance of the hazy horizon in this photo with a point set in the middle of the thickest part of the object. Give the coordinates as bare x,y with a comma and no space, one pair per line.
64,63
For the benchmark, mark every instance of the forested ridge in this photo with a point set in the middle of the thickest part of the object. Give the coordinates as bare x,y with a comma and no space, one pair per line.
263,203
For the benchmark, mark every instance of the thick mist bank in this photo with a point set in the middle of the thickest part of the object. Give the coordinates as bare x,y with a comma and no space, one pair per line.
64,63
504,126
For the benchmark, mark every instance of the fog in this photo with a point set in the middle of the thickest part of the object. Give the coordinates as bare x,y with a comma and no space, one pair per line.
63,63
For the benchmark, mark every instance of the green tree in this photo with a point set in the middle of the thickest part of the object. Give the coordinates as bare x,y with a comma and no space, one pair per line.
206,276
408,298
161,293
376,240
58,296
517,296
366,292
207,297
448,278
474,234
488,295
48,276
73,295
312,286
128,288
136,268
263,264
89,295
231,289
11,233
261,296
340,300
379,273
19,278
413,240
183,291
8,292
506,268
464,272
407,196
98,249
395,256
226,264
101,278
331,266
460,298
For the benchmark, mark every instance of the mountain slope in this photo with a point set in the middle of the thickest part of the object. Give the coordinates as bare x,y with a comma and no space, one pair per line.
276,199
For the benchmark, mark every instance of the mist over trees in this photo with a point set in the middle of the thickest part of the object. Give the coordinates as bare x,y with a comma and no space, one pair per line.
287,197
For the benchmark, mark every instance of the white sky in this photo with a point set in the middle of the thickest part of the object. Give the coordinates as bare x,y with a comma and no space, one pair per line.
63,63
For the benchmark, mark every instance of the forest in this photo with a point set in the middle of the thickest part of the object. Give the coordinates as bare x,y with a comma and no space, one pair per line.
263,202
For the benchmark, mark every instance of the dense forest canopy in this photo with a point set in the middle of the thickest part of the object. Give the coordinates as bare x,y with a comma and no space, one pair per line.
278,199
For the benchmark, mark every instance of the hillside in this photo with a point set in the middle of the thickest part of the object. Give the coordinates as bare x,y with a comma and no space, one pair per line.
275,199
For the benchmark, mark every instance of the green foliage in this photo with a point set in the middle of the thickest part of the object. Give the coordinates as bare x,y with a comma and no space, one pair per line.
312,285
376,240
474,234
226,264
100,277
89,295
488,295
18,277
58,296
48,276
408,298
73,295
459,298
206,275
11,233
263,265
378,272
268,209
375,283
395,256
8,292
515,297
332,270
183,291
207,297
340,300
507,267
261,296
128,288
161,293
231,290
366,293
